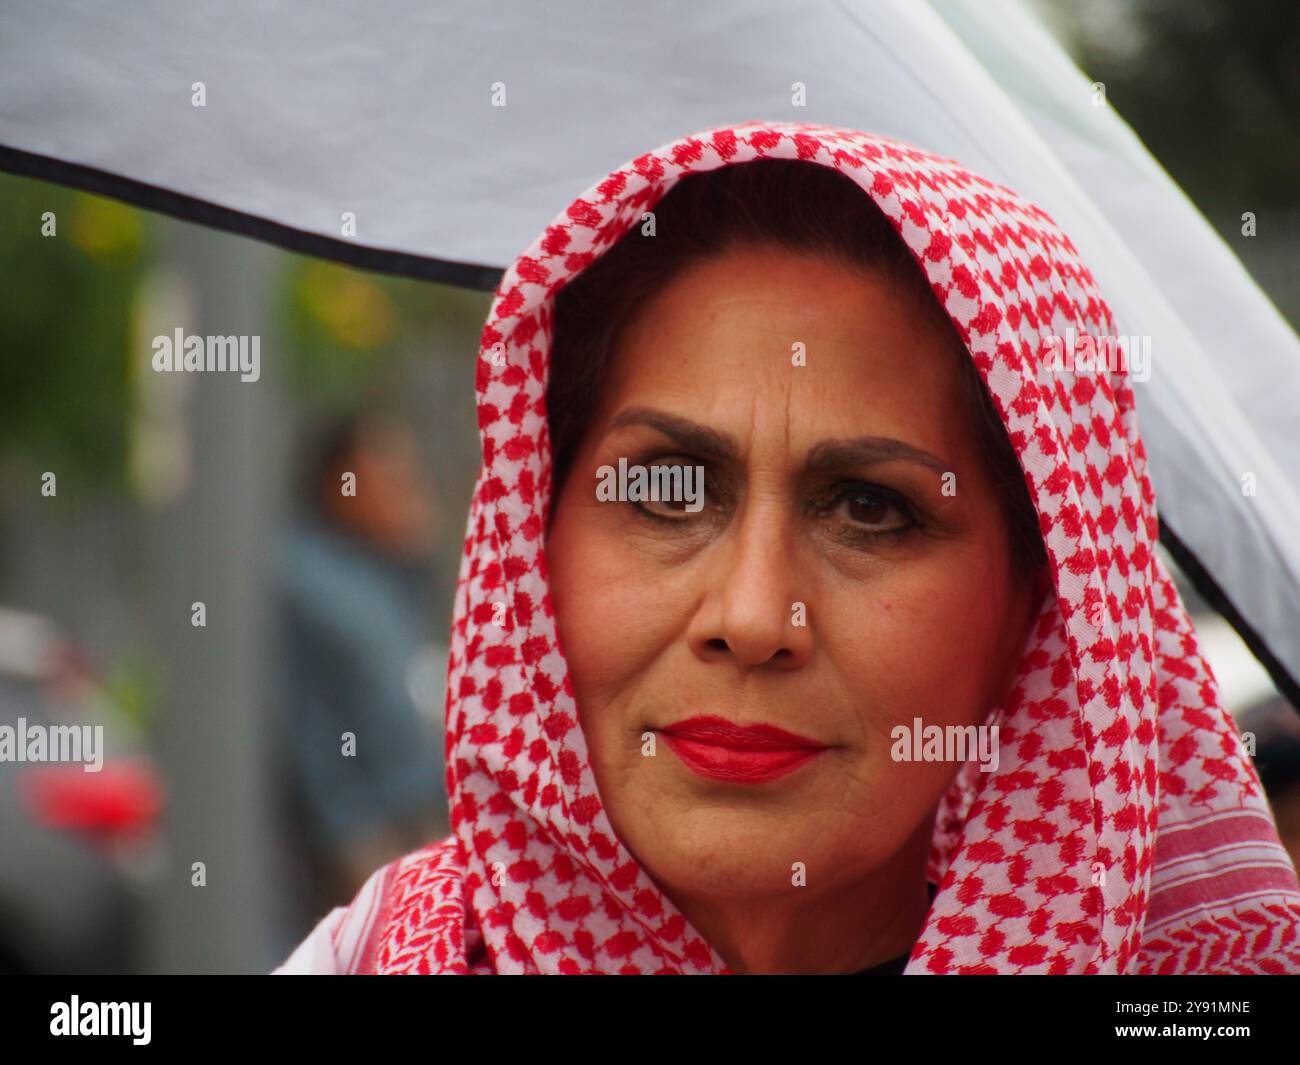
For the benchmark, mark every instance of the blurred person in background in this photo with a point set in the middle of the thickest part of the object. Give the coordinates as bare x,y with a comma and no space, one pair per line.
360,737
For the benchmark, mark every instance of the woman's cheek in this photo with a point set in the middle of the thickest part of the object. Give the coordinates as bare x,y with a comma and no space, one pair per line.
927,645
969,637
613,624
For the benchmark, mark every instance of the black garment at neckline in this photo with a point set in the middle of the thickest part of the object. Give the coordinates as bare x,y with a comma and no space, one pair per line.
894,966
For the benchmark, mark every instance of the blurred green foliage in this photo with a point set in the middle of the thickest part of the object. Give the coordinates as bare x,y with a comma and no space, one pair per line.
66,309
68,321
134,685
1213,90
338,326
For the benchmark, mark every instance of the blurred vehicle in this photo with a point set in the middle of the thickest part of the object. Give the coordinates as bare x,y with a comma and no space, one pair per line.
74,844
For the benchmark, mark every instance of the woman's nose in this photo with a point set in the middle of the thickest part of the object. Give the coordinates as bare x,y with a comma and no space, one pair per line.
755,605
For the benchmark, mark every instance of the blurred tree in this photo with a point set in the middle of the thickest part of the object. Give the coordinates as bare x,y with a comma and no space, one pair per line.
1213,89
342,327
74,265
71,263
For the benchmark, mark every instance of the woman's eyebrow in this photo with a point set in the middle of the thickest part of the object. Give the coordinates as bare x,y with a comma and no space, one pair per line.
869,451
829,454
709,443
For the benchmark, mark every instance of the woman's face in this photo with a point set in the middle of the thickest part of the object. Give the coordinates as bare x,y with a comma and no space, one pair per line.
836,583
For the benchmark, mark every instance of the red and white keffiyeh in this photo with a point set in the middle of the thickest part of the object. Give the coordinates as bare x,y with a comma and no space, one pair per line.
1124,830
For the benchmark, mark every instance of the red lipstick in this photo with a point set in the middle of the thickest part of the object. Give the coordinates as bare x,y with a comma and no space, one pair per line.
739,754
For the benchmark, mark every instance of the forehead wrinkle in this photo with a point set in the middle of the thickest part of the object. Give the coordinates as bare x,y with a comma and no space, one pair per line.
771,436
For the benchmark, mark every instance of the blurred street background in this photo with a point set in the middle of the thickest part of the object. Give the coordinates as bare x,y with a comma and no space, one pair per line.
209,843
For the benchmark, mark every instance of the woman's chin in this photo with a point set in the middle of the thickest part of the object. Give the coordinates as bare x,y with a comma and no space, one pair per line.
720,853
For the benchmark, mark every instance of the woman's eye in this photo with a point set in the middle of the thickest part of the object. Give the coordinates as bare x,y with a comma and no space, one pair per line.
873,511
681,493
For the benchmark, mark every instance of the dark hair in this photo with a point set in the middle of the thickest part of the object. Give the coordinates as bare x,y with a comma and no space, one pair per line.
789,203
330,444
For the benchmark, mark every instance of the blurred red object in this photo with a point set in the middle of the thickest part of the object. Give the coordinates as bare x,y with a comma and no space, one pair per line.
122,798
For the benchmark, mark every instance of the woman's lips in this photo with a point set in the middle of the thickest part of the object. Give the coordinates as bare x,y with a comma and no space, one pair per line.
742,754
